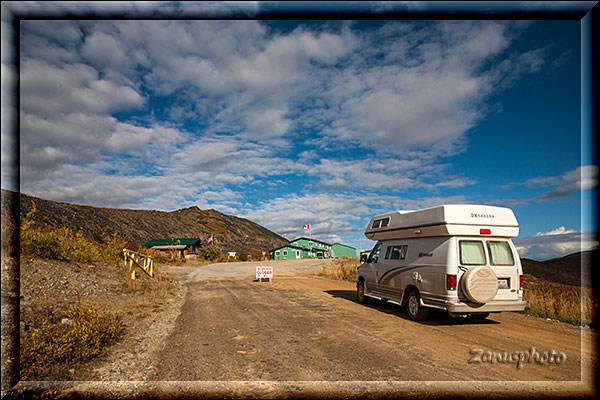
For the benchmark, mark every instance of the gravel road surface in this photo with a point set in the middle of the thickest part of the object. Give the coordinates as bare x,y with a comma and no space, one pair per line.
301,333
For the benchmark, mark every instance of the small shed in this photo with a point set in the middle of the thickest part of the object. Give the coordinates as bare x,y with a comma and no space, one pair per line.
183,246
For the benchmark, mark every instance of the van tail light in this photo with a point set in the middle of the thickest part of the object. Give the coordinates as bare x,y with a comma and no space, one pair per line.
521,281
451,282
485,231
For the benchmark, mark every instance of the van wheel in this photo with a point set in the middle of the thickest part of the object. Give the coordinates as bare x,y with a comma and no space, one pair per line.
416,312
360,292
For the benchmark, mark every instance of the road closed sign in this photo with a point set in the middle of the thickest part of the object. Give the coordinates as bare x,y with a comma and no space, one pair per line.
264,272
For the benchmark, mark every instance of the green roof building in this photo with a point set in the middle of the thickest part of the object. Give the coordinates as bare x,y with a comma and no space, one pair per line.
183,246
174,242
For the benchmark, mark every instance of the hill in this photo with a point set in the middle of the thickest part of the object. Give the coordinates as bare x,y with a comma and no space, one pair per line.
565,270
139,226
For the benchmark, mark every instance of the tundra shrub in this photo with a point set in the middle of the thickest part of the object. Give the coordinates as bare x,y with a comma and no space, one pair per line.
58,340
210,253
113,251
39,243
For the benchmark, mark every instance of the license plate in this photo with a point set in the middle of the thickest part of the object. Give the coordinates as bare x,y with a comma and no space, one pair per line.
502,283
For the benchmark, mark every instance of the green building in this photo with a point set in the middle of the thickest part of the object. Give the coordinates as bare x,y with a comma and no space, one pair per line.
341,250
288,252
316,248
304,247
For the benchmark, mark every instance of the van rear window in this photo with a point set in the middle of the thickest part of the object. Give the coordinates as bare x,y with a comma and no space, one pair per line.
471,252
500,253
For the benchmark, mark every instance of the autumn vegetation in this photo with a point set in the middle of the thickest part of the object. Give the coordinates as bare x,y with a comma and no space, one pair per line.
60,339
566,303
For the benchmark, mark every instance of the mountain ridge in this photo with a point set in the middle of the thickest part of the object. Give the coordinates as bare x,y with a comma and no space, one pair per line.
229,232
572,269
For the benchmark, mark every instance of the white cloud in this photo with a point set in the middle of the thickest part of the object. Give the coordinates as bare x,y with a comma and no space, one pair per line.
582,178
555,243
425,95
48,90
391,173
558,231
267,123
574,181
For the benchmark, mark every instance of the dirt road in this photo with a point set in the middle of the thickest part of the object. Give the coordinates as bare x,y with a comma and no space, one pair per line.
310,328
300,327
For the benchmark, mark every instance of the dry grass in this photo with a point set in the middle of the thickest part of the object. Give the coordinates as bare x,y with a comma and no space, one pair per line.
343,268
566,303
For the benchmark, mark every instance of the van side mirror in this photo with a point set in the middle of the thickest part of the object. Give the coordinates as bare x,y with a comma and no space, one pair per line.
364,258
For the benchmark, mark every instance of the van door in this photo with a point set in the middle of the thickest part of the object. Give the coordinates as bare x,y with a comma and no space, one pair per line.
371,268
390,266
504,261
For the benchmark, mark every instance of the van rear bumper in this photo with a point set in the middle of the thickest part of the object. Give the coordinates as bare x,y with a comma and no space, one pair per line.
492,306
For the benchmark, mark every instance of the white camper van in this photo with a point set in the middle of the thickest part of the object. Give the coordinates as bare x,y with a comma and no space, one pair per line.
457,257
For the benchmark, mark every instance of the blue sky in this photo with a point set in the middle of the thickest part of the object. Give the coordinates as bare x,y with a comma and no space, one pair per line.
324,123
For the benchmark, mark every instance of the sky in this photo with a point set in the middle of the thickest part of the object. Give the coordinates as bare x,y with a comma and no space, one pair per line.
295,122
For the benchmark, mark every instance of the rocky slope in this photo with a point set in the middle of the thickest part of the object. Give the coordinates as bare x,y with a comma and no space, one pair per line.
139,226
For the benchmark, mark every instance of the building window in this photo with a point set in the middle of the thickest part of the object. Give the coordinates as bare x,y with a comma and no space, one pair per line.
310,243
285,252
277,253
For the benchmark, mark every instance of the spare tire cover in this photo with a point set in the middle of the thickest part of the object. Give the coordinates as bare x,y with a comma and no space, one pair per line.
480,284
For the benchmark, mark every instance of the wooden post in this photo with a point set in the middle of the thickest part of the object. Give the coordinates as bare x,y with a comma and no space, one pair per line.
132,268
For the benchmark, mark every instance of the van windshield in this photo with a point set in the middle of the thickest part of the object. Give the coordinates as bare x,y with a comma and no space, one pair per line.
500,253
471,252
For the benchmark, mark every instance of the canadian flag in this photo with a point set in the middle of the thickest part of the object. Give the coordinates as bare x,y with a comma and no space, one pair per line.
306,226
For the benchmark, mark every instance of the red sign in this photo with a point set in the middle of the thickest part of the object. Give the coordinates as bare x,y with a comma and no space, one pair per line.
264,272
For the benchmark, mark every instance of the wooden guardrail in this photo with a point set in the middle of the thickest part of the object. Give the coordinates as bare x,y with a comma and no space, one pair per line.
142,261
